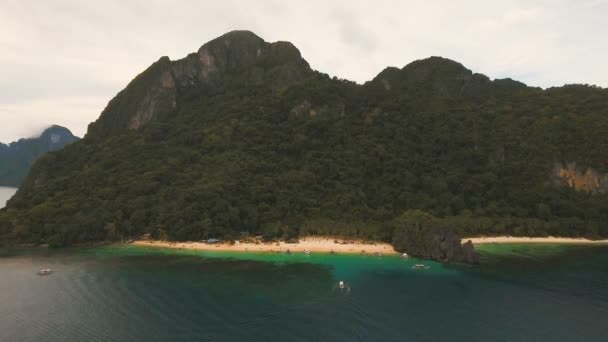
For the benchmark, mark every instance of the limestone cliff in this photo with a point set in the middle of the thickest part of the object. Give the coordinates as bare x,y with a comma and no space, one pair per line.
587,179
154,93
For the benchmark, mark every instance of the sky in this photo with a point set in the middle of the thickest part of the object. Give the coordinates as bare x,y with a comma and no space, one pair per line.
62,61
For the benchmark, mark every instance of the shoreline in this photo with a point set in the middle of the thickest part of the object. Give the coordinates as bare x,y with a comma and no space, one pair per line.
312,244
533,240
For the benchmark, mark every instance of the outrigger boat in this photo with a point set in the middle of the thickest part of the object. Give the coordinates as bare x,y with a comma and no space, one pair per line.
342,286
421,267
46,271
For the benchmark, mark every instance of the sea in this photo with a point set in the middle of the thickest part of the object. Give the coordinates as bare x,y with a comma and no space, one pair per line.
5,194
134,293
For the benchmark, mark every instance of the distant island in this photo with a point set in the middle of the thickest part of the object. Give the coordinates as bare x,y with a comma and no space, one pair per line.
17,157
243,138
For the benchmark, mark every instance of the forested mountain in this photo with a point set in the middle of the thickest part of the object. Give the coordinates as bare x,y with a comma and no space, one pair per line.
244,137
17,157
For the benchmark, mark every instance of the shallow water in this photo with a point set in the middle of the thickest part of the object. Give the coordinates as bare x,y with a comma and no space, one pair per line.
519,293
5,194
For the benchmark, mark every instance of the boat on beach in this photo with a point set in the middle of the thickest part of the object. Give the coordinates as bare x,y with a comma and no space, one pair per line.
45,271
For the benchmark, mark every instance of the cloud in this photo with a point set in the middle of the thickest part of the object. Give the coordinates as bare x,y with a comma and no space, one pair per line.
352,31
29,118
63,60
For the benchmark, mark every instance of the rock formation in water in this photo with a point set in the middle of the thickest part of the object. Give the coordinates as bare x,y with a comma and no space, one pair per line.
421,235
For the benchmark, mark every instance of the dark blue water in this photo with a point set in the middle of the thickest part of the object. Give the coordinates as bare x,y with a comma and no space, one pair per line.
132,293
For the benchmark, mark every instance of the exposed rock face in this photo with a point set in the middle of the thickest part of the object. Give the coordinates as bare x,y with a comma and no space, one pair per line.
159,99
150,95
230,52
155,92
582,180
433,243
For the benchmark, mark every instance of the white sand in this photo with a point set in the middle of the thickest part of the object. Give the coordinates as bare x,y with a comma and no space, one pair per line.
549,239
312,244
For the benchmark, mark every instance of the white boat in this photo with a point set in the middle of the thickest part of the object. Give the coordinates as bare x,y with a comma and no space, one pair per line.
404,255
46,271
341,284
420,267
306,251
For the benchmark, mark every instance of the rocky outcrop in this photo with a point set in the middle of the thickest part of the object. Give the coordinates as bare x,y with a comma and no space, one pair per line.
468,253
433,243
150,95
580,179
155,92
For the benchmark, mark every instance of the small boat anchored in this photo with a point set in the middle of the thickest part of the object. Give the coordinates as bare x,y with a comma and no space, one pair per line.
342,286
45,271
405,256
420,267
306,251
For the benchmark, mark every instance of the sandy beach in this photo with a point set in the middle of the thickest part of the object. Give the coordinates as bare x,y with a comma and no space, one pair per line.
549,239
312,244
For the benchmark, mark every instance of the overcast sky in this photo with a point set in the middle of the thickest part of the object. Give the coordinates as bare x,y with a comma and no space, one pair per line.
62,61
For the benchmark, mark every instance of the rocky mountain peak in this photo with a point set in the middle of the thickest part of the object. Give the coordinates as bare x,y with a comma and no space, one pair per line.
242,54
237,50
232,51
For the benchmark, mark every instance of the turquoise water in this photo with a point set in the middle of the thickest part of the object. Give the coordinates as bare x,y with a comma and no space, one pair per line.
519,293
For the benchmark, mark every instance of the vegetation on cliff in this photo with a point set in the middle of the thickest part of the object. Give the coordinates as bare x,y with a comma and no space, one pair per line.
243,137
